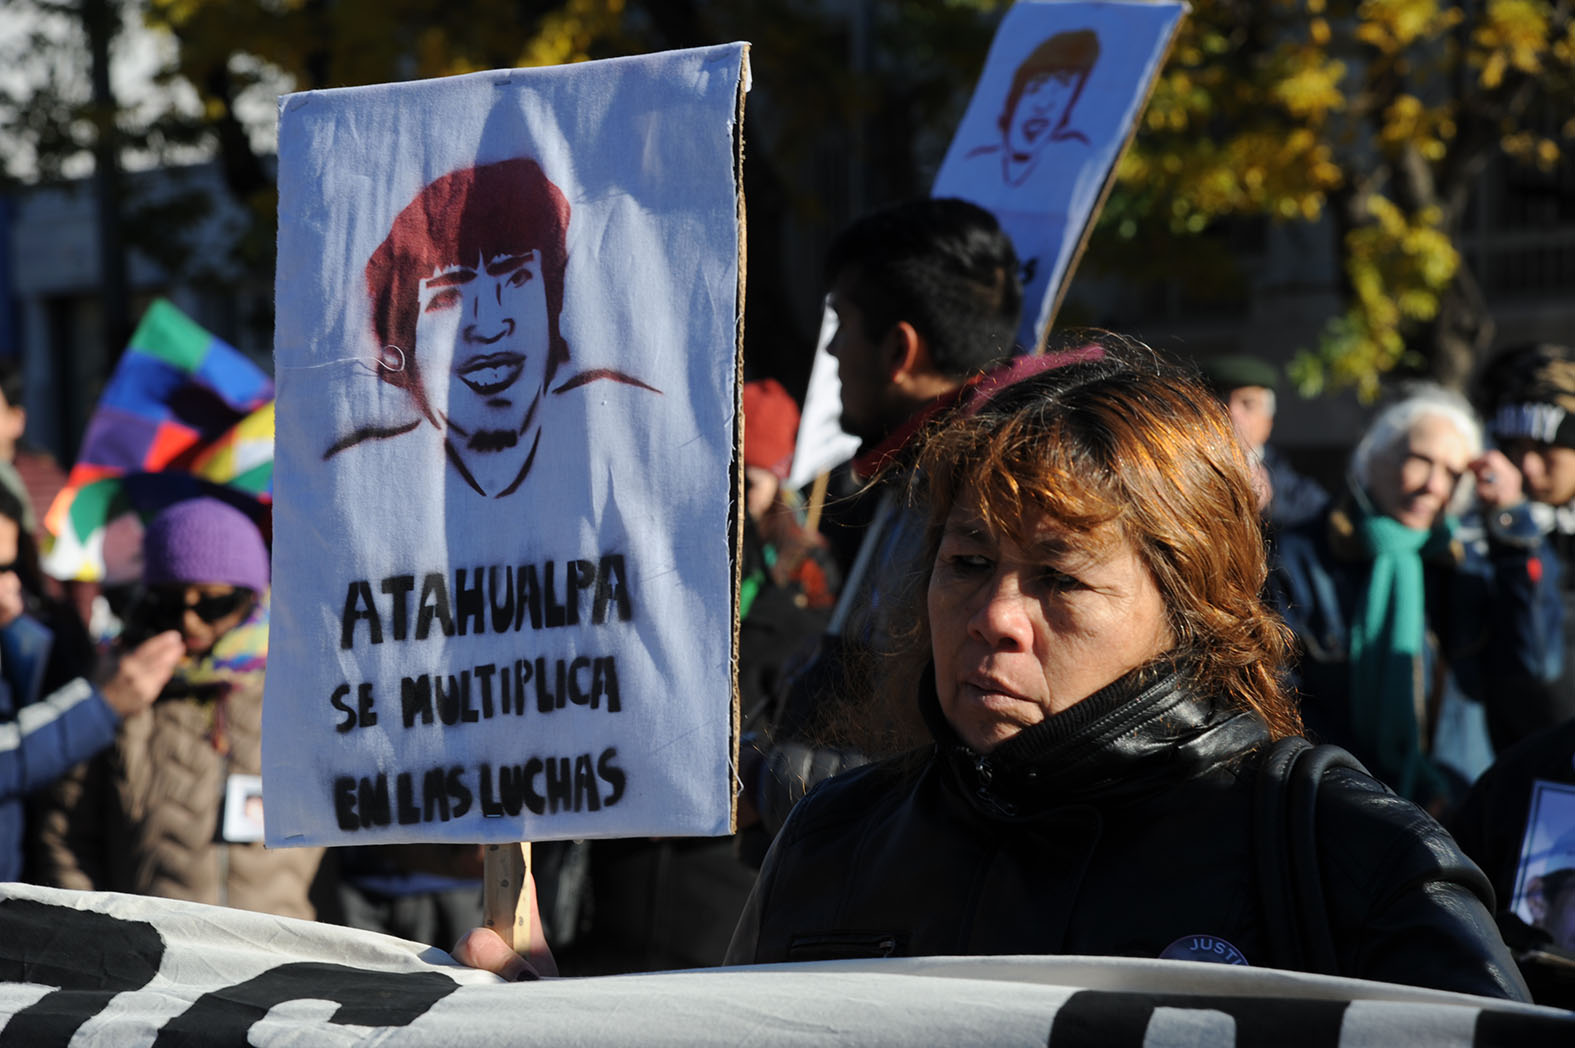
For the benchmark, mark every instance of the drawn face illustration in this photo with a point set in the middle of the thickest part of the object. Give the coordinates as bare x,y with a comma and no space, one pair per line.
1039,104
1042,106
465,293
482,337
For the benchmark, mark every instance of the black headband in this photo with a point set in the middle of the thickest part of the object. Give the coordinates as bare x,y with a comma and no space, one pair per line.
1546,423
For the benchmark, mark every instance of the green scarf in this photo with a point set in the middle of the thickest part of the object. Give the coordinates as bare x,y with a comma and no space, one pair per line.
1387,638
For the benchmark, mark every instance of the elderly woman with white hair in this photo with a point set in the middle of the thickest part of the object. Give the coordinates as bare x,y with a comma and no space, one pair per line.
1415,616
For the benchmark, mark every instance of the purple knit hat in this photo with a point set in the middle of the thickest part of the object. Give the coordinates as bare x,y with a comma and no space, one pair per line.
204,540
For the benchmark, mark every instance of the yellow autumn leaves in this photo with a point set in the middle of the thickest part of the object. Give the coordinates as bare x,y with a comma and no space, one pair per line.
1292,109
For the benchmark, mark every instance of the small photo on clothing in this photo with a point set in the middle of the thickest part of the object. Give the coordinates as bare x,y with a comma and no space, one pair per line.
243,809
1545,879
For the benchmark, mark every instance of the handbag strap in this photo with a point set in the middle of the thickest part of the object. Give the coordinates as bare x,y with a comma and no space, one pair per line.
1290,880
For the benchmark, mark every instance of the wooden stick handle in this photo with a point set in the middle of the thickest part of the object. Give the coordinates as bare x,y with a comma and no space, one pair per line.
506,905
817,500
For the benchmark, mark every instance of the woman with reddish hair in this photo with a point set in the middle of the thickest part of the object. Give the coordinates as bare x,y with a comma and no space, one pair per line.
1097,692
1101,683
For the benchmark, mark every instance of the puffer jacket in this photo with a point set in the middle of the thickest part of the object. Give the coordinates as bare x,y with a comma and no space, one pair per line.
1120,827
41,736
143,817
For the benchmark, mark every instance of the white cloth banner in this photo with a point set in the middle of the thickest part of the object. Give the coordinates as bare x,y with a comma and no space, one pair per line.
120,971
507,364
1064,82
821,444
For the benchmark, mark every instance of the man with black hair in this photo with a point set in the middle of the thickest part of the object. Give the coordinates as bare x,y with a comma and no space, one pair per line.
927,300
930,283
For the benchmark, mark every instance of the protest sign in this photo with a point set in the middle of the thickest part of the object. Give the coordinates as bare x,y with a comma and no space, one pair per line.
507,364
1059,98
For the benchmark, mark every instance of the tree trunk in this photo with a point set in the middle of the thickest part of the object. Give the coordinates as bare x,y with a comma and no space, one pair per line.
100,19
1460,335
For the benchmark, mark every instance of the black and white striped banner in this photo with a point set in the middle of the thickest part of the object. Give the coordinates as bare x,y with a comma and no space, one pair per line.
101,969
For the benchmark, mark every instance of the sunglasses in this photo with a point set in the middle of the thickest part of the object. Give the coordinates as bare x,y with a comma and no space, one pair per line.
166,608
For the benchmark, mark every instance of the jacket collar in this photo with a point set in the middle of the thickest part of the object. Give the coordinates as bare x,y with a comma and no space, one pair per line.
971,393
868,463
1138,734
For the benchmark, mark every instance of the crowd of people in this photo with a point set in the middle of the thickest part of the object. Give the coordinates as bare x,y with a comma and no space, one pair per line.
1042,679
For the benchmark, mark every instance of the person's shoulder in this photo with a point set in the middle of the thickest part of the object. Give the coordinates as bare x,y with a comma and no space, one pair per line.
1367,833
1406,902
1549,754
1300,557
26,627
1353,793
1551,750
1306,539
854,797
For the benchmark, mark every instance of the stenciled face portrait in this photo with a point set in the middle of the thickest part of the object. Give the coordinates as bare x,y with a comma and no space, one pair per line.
1038,106
1022,632
483,340
465,293
1414,480
1041,108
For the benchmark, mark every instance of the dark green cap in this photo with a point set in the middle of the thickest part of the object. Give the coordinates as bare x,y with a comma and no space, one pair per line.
1233,371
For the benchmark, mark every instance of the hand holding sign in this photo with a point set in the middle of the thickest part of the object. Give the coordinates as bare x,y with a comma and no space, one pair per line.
519,960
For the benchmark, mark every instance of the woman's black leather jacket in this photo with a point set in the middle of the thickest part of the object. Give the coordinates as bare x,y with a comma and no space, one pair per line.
1120,827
